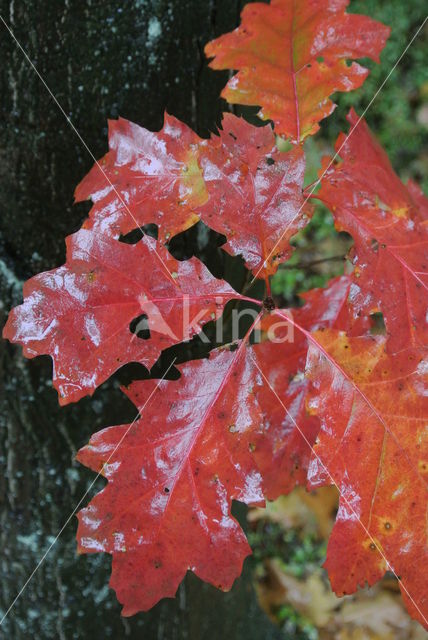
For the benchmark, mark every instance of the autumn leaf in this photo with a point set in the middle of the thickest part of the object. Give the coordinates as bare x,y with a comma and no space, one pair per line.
388,224
291,56
245,174
211,437
375,450
283,442
146,178
81,313
166,508
420,200
173,178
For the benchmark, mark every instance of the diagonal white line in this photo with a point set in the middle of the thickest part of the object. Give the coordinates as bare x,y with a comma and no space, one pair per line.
127,209
46,553
317,182
333,481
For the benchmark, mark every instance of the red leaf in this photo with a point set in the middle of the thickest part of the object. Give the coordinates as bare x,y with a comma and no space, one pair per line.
201,442
388,224
281,452
172,178
291,56
255,193
166,508
80,313
146,178
420,200
376,451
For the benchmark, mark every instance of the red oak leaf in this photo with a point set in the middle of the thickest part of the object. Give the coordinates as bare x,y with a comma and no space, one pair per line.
146,178
388,224
291,56
375,449
281,451
420,199
255,193
201,442
166,508
80,313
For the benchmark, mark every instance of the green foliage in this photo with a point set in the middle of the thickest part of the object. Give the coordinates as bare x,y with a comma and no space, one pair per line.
295,625
298,552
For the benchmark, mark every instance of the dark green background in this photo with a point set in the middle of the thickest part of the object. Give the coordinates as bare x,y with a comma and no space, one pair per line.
104,59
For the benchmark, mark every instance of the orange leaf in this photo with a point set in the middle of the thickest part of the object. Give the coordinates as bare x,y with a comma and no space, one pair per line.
291,56
375,449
